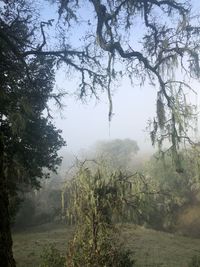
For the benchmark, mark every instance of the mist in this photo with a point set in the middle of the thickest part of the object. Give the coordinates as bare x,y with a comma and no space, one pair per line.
99,138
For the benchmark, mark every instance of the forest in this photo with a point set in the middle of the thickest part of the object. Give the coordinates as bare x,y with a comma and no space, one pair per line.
112,204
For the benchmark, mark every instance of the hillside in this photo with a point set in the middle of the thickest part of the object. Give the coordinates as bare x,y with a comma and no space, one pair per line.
151,248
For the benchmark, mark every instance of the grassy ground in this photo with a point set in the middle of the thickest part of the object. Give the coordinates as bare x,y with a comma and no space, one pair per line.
151,248
28,244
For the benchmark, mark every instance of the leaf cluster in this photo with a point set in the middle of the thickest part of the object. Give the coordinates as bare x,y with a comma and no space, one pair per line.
28,138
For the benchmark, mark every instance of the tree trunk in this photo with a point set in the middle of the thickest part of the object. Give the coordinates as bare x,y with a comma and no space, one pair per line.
6,254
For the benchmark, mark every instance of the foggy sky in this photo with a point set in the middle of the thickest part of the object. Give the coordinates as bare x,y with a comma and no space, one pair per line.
84,124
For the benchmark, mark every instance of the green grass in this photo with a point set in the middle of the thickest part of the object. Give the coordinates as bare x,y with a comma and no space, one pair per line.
151,248
28,245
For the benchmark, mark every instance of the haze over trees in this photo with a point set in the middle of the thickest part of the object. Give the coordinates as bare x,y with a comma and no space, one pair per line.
166,55
117,154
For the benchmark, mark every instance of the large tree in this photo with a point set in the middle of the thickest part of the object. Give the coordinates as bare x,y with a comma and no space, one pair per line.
108,47
29,142
164,52
151,41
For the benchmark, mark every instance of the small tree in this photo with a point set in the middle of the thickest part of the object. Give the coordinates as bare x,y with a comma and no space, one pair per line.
94,200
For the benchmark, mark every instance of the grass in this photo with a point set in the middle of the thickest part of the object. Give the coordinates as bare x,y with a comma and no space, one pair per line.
151,248
28,245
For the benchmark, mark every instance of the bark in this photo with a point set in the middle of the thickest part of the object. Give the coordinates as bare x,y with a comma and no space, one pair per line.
6,254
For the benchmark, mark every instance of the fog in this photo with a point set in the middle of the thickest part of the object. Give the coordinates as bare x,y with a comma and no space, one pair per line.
113,189
84,123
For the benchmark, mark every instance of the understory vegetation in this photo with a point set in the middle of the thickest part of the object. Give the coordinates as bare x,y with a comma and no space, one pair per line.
148,247
96,201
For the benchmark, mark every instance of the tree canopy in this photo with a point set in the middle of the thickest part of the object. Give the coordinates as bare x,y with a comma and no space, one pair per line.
117,154
164,54
107,46
29,142
29,138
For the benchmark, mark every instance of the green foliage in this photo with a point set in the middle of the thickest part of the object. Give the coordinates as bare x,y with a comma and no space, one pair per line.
43,206
176,190
29,139
51,257
109,253
124,193
195,261
94,201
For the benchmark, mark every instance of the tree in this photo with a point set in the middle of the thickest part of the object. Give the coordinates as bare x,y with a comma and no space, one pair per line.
95,198
117,154
29,142
166,55
177,190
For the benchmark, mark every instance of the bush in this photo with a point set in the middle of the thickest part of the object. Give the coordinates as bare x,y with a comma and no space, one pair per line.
109,253
195,261
122,258
51,257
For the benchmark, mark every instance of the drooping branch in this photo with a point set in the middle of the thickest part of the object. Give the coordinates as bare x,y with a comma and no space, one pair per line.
164,46
109,71
82,61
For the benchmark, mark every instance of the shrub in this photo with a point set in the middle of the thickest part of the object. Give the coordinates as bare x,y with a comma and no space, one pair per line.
51,257
195,261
